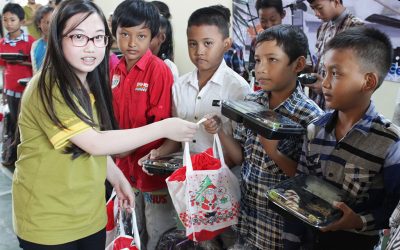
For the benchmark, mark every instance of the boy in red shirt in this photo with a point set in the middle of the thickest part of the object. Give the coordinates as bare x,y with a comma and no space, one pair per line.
141,85
15,41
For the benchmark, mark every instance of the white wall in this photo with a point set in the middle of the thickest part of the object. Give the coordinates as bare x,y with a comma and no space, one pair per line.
180,11
385,98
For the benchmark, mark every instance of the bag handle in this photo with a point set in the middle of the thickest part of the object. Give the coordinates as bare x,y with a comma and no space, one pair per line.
135,231
187,161
217,150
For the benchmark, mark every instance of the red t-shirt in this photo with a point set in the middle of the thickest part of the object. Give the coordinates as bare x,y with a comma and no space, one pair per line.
140,97
14,72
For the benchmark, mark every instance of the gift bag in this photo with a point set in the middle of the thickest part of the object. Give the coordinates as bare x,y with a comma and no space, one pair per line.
127,235
207,200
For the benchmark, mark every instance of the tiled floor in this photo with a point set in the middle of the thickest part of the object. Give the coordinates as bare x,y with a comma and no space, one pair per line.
8,241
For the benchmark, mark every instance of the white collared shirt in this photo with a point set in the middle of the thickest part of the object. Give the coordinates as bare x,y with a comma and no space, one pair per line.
192,104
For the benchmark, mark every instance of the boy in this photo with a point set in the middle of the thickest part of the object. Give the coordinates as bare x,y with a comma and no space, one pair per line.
354,147
141,85
336,19
280,55
194,92
15,41
270,13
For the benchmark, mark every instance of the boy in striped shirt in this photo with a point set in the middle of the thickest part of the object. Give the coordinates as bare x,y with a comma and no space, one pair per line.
353,147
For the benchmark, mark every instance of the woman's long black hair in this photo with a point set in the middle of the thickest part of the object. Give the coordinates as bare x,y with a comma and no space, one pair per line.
58,73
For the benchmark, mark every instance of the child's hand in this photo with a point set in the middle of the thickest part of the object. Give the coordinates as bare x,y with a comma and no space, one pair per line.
153,154
213,124
270,146
177,129
349,220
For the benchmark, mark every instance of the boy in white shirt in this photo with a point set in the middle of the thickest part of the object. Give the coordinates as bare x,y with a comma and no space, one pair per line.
195,92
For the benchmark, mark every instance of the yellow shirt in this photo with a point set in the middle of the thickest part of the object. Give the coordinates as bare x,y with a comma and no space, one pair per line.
55,199
30,15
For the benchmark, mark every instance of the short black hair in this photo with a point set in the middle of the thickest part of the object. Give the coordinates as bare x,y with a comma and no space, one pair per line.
132,13
311,1
290,38
40,13
263,4
217,15
372,48
15,9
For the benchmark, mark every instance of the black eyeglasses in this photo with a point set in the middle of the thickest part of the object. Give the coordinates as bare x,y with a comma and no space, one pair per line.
80,40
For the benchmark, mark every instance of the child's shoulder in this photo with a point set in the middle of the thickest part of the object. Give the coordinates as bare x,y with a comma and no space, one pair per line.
385,127
154,63
31,39
233,78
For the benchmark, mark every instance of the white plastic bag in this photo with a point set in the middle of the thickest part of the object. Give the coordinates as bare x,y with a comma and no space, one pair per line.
207,201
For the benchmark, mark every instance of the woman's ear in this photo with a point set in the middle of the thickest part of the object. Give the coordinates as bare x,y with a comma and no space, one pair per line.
300,63
371,81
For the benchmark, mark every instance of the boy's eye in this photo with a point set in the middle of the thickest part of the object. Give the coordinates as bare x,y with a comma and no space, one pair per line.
124,34
192,44
272,59
257,60
208,43
141,37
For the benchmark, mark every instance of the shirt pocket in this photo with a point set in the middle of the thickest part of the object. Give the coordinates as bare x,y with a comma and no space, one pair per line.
358,179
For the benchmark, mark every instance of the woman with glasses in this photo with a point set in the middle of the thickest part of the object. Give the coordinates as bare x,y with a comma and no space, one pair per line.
67,137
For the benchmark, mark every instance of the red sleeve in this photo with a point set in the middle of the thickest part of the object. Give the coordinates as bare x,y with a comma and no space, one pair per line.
160,93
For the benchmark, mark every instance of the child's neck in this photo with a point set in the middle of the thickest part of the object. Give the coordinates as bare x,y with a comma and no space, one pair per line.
14,34
348,118
204,76
278,97
339,11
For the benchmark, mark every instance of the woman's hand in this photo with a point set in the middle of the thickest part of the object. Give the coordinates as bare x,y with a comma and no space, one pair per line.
177,129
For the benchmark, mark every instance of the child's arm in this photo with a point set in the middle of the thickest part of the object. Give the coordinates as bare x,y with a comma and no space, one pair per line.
121,185
287,165
231,148
117,141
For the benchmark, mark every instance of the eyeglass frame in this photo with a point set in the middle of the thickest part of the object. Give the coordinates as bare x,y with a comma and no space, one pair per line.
88,39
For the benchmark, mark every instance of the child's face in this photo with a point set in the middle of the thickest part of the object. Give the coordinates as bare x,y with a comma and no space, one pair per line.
133,42
273,71
269,17
324,9
206,46
83,59
344,79
157,41
45,24
11,22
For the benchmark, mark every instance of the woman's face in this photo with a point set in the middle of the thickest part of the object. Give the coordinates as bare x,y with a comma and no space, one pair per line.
84,58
